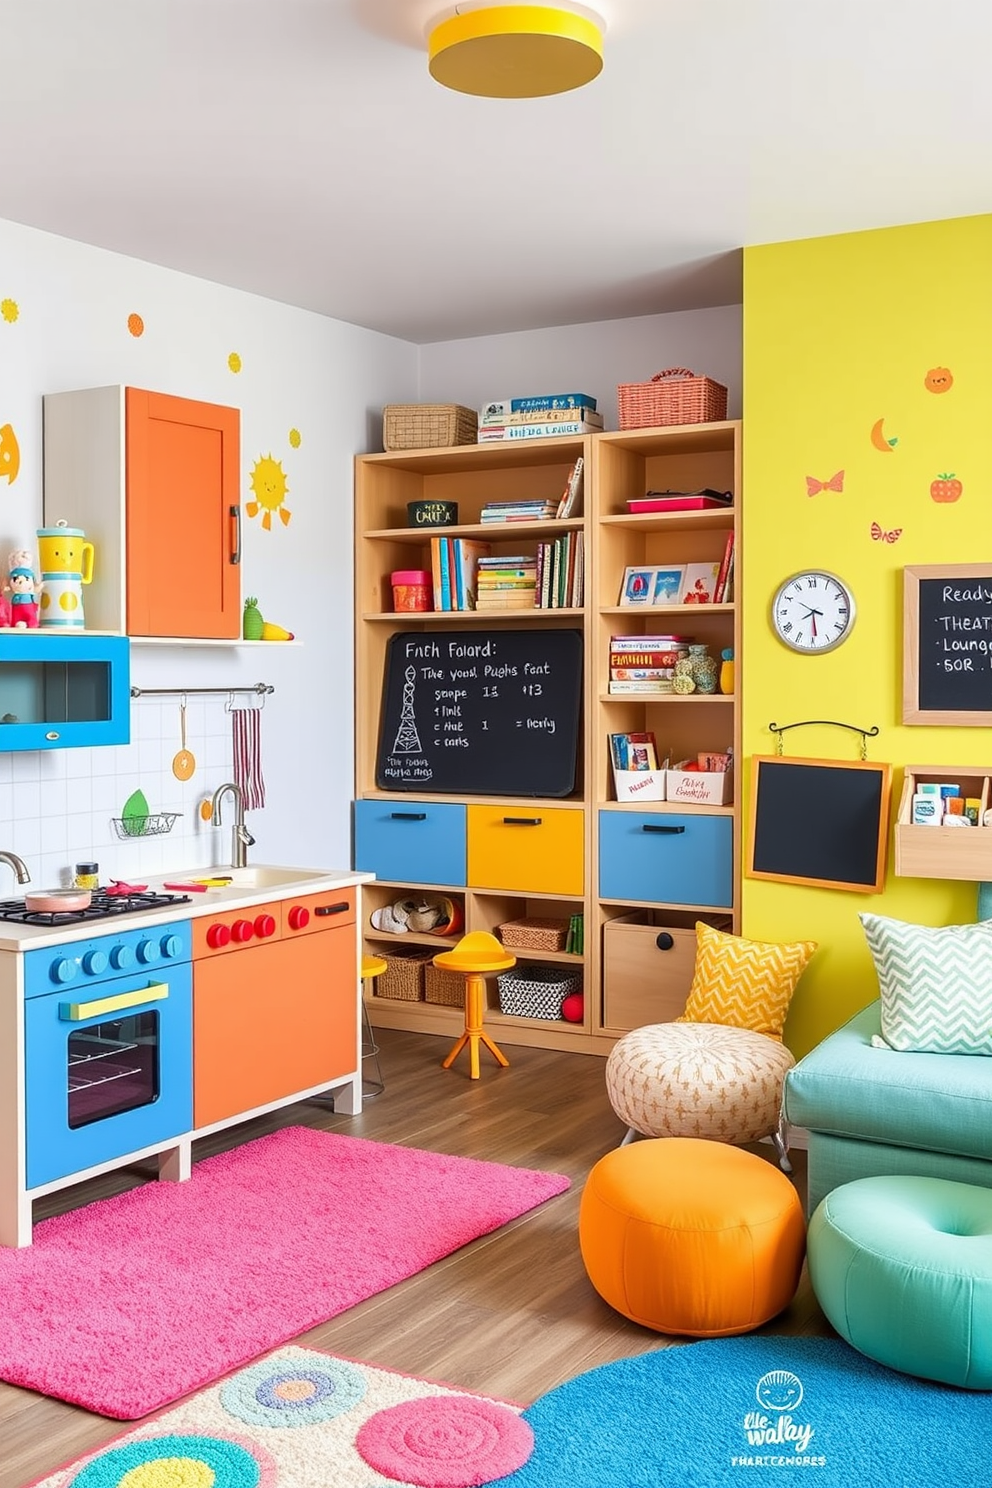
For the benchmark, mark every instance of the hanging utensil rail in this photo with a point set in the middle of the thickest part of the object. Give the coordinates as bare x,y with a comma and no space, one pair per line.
258,687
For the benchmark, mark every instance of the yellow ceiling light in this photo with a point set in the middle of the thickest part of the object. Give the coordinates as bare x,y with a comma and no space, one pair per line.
515,51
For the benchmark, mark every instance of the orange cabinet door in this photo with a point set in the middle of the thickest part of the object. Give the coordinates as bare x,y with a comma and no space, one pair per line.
271,1020
183,517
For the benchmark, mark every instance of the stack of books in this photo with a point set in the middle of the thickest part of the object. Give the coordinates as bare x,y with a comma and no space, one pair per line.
550,414
454,571
538,510
645,663
506,583
561,573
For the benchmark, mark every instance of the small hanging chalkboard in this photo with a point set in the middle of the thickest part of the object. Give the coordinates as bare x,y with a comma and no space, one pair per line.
818,821
947,644
490,713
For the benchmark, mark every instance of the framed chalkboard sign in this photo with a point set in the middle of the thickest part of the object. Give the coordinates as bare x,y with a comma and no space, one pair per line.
821,822
947,644
488,713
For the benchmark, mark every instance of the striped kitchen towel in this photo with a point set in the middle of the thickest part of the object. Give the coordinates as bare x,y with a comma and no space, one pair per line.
248,756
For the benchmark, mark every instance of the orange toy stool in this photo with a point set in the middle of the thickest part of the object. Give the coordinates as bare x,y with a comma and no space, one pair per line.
691,1237
475,954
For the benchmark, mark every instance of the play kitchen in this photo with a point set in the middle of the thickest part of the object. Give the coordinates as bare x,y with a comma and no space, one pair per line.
134,1019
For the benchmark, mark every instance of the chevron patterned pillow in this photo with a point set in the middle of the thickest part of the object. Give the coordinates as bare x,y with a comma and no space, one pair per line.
935,985
744,983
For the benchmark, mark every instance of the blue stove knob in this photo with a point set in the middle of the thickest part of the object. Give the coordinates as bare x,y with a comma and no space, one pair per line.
63,970
148,951
95,962
171,945
121,957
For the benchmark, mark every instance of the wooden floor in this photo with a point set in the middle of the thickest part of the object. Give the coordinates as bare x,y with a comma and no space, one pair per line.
510,1315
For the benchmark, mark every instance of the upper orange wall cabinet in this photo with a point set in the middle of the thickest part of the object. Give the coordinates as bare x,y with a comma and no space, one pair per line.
153,480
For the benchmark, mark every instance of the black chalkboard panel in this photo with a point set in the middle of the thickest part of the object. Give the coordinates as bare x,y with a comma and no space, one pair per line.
819,822
947,644
489,713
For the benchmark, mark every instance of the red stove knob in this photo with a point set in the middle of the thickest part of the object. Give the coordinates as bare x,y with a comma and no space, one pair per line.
218,936
265,926
242,930
299,917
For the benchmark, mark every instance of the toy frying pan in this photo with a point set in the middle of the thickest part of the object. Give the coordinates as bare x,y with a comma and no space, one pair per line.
54,901
183,763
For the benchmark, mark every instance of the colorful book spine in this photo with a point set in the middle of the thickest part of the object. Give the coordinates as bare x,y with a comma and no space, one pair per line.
720,591
643,686
497,407
647,658
534,431
447,600
648,642
539,416
568,506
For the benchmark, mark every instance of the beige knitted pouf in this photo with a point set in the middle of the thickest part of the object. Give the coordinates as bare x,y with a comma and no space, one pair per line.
699,1080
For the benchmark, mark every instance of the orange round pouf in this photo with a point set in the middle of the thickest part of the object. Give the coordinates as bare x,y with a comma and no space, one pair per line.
691,1237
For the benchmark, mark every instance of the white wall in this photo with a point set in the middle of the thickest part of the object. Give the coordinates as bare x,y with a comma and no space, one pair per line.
299,370
592,358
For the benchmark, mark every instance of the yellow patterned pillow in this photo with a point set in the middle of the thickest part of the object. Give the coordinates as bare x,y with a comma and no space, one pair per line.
744,983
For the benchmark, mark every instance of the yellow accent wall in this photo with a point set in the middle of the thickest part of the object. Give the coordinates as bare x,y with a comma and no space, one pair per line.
840,332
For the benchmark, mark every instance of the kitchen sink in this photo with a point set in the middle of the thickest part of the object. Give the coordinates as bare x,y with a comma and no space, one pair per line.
262,876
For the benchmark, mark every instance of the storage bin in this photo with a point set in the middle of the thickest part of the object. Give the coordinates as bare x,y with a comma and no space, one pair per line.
675,396
446,988
534,934
427,425
403,979
700,787
649,957
536,991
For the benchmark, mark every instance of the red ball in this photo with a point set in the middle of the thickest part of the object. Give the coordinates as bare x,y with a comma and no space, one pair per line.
573,1008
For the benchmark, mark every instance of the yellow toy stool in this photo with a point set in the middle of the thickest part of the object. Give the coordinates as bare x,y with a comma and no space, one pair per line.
474,955
372,967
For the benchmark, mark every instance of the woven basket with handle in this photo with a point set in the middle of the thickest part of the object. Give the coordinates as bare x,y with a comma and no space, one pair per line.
675,396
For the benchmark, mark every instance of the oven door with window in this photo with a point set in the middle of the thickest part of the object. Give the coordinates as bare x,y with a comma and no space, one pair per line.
109,1070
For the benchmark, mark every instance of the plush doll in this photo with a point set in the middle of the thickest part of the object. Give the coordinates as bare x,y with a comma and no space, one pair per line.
23,590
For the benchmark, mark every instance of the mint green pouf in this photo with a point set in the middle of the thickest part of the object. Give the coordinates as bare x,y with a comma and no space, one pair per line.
902,1268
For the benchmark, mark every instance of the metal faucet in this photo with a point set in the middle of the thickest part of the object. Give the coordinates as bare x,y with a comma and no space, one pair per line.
13,861
241,838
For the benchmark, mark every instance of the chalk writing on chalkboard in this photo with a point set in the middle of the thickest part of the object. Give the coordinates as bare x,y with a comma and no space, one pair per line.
481,713
947,644
821,822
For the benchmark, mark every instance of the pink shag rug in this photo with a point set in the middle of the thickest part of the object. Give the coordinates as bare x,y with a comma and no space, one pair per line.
131,1302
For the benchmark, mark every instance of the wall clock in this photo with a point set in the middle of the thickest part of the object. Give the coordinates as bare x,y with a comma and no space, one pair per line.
813,611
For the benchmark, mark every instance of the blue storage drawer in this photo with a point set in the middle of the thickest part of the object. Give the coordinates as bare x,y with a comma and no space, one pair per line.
666,858
411,841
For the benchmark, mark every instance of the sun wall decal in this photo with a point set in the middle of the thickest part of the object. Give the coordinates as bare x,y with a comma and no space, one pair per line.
9,310
295,438
234,362
269,486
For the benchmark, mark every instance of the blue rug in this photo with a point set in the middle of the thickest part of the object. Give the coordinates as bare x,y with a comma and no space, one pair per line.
756,1412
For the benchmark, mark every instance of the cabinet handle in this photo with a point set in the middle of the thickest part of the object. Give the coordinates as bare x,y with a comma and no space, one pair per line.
78,1012
329,909
408,815
236,533
672,831
664,941
521,821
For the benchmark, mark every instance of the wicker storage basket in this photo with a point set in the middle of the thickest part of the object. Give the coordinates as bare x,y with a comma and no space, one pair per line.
533,934
427,425
403,979
536,991
675,396
444,987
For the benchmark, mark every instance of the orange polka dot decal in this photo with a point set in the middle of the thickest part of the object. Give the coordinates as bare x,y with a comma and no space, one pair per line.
136,325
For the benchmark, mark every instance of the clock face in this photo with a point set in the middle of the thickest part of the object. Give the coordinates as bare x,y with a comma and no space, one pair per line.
813,611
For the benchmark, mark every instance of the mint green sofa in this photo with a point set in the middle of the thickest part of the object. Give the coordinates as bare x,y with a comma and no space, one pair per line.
874,1112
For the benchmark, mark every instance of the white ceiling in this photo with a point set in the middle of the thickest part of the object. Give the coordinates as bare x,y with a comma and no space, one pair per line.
300,149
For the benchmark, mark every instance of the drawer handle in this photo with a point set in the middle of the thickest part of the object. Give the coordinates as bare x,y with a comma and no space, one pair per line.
664,941
235,534
673,831
329,909
77,1012
408,815
521,821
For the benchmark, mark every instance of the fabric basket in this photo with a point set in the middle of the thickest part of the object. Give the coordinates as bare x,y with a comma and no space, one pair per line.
427,425
403,979
536,991
675,396
533,934
444,987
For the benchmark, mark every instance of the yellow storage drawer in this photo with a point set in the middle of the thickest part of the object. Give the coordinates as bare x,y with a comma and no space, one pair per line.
526,849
